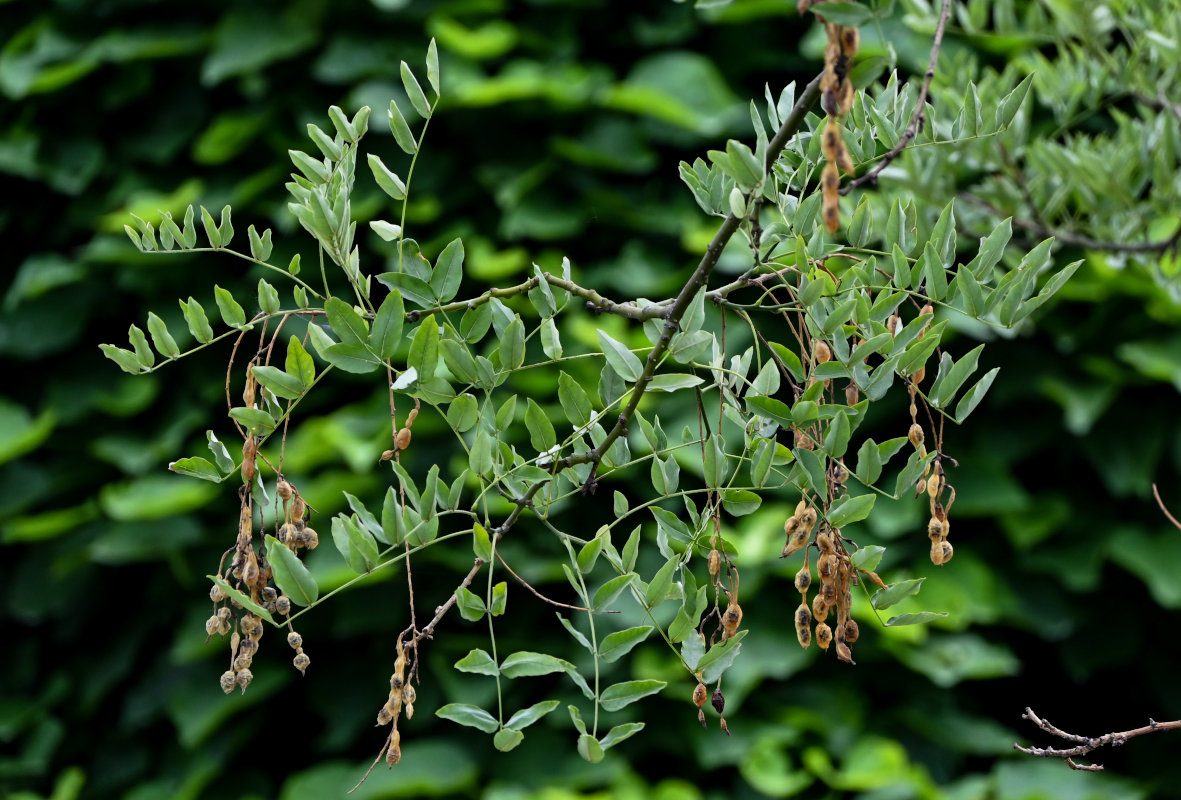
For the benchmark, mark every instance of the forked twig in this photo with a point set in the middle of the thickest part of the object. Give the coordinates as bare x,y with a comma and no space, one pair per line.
1084,745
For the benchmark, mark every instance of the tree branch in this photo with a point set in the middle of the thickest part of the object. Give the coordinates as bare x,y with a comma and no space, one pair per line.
920,111
1085,745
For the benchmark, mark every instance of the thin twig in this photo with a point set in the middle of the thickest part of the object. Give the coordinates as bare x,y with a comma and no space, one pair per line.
1161,503
538,594
1084,744
920,112
441,611
1074,239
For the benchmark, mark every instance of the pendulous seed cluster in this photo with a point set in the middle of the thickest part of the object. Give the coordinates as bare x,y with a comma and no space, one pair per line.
836,97
401,699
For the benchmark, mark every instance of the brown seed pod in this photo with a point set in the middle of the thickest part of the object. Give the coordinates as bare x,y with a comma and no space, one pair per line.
918,376
244,678
803,580
823,635
309,539
852,394
850,42
893,324
284,490
826,566
718,700
212,625
948,551
301,662
298,508
386,455
803,440
295,640
731,619
844,97
820,607
699,695
394,754
402,441
831,140
830,198
796,542
791,525
245,525
715,563
915,434
283,604
821,352
249,452
413,415
824,541
384,716
935,530
250,569
803,620
852,631
937,553
217,594
228,681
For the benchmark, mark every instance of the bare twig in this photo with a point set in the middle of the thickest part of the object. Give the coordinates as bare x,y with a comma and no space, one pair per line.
441,611
1074,239
1161,503
538,594
920,111
1084,745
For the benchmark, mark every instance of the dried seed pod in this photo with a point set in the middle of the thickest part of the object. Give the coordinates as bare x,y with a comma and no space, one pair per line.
248,392
821,352
731,619
402,441
228,681
284,490
413,415
808,519
850,41
217,594
699,695
722,724
224,613
249,451
937,553
298,508
935,530
394,754
824,541
245,525
212,625
283,604
915,434
826,566
820,607
823,635
791,525
294,640
384,716
927,310
309,539
242,662
852,631
917,377
715,563
798,541
830,198
803,620
301,662
803,580
718,700
948,550
269,594
244,678
801,507
844,97
803,440
831,140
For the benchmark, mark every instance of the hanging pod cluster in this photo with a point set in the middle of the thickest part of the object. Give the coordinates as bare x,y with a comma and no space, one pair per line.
401,699
836,97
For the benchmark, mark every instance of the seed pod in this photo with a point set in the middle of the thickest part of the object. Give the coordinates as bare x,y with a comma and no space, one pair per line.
915,434
935,530
803,440
826,566
249,451
821,352
245,525
269,595
402,441
918,376
893,324
384,716
413,415
791,525
248,392
217,594
699,695
386,455
797,542
722,724
718,700
301,662
850,41
250,570
803,621
823,635
394,754
298,508
831,140
731,619
701,716
294,640
801,507
830,208
824,542
715,563
284,490
808,519
844,97
244,678
948,551
212,625
228,681
852,631
242,662
309,539
803,580
820,607
937,553
283,604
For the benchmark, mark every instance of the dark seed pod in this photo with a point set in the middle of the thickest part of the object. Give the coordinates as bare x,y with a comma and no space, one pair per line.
823,635
803,620
803,580
852,631
718,700
269,594
935,530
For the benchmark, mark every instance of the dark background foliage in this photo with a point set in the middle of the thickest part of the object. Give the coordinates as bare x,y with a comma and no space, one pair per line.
559,134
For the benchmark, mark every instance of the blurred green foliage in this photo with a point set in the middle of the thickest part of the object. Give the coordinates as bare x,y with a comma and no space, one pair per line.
562,126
